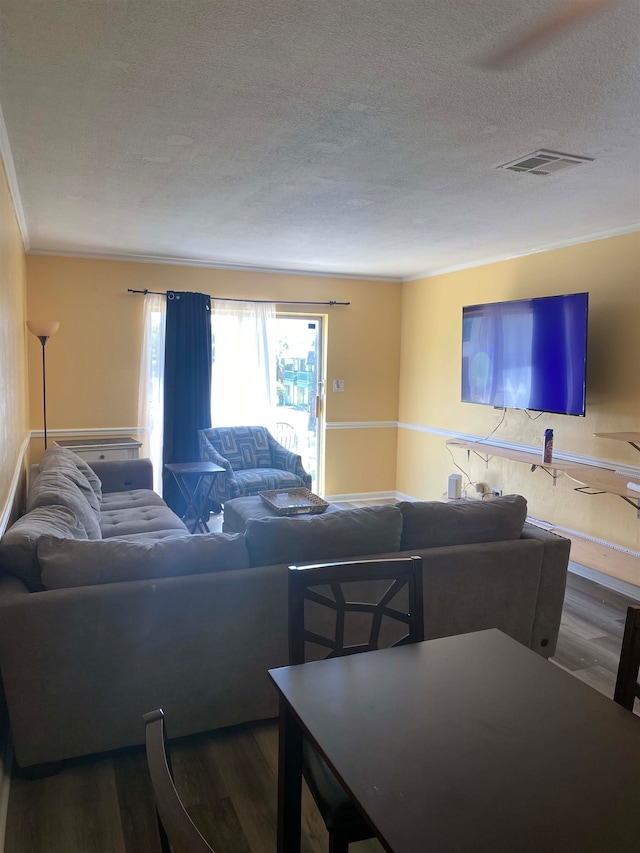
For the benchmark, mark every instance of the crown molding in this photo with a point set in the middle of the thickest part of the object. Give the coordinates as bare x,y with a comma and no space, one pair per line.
12,180
534,250
238,267
196,262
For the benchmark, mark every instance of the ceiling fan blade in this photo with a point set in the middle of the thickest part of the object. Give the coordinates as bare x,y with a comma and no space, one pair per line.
568,14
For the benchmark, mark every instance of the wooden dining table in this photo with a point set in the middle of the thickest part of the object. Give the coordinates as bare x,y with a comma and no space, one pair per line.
470,743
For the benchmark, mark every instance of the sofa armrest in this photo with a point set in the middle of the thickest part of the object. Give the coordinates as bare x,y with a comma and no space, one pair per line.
553,580
12,587
208,453
124,475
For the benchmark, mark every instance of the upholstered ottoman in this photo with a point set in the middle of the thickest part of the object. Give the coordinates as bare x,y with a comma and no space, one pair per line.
239,510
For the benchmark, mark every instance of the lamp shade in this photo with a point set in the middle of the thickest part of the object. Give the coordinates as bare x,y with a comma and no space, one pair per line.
43,328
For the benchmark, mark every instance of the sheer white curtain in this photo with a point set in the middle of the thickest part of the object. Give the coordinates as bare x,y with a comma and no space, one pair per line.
243,381
151,391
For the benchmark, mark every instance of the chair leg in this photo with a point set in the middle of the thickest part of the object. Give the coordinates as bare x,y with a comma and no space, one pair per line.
338,843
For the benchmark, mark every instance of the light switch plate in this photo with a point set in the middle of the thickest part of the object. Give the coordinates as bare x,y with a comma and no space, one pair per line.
338,384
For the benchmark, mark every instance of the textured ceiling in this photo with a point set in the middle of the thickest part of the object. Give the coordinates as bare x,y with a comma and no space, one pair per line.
347,136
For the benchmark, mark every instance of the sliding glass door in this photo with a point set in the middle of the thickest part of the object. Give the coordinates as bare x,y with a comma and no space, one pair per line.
268,370
299,409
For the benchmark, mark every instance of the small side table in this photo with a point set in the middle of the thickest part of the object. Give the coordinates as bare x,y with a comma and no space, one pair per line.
189,476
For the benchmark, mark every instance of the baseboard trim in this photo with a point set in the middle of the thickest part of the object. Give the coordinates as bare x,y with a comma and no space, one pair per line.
361,496
607,581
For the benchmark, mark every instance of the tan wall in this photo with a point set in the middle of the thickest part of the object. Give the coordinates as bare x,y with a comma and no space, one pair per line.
93,361
430,382
13,370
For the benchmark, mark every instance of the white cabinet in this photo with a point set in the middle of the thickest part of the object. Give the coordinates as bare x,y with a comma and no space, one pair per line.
101,449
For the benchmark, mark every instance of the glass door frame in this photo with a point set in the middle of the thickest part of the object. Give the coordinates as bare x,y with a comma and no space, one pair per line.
321,371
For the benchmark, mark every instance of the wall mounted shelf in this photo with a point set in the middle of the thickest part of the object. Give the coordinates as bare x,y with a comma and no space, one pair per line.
485,451
632,438
603,480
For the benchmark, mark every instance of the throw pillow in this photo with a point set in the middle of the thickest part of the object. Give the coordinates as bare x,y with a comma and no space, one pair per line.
350,533
18,545
67,563
57,487
432,524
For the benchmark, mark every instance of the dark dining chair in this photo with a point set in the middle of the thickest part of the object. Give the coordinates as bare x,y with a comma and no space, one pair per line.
178,833
325,622
627,688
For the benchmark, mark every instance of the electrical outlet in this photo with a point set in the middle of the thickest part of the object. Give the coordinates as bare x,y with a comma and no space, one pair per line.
496,493
338,384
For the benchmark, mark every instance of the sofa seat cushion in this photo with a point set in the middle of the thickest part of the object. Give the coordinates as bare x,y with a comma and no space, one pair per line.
130,499
318,538
64,564
265,479
432,524
58,488
18,545
141,519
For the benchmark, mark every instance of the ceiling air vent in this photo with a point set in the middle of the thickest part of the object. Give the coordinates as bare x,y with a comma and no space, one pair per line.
545,162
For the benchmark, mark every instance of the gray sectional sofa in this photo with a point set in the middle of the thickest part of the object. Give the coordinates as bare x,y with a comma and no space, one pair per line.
109,608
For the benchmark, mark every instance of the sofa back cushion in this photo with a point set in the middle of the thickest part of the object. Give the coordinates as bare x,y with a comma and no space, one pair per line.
18,545
69,563
350,533
432,524
59,457
58,488
68,469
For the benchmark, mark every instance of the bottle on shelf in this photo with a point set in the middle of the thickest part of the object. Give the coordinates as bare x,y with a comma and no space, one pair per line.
547,446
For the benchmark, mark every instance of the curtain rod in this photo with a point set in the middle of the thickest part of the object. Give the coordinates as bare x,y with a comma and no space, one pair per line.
230,299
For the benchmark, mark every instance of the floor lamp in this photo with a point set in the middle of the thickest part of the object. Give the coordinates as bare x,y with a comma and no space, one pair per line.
43,331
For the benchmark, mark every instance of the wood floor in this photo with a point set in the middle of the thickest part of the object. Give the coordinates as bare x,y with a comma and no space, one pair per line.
228,778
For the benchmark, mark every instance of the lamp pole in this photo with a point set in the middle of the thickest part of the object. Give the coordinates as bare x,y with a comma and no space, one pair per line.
43,340
43,332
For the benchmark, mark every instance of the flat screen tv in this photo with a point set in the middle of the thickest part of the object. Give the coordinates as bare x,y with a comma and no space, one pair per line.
527,354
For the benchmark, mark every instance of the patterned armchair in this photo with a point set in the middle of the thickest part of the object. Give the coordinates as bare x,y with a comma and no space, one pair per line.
253,462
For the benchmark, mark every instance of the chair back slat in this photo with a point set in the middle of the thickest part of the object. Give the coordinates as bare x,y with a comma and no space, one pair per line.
627,689
395,575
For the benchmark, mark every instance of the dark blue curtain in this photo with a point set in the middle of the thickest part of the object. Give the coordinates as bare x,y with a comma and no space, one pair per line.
187,383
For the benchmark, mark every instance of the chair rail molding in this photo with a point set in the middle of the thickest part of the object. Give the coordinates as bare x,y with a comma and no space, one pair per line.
362,425
5,512
87,431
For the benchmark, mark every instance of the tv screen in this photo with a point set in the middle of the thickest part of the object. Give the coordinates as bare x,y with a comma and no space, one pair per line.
526,354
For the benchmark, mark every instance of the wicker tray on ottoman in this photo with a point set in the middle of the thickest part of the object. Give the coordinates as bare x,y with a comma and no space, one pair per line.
293,501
